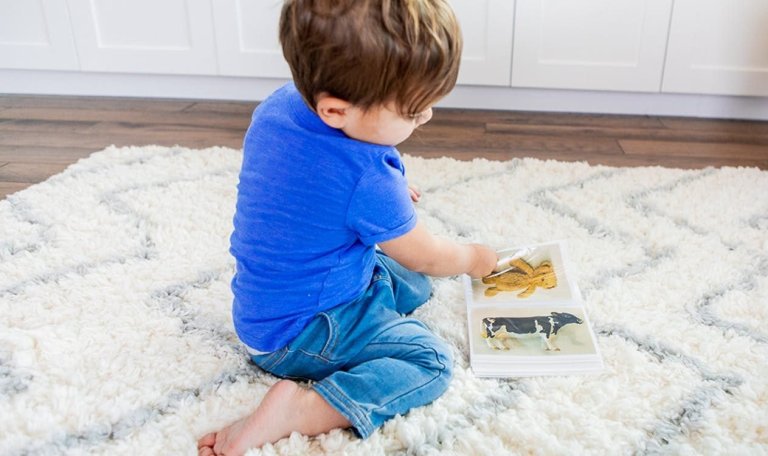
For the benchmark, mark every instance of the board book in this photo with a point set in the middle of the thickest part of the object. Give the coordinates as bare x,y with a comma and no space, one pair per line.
528,318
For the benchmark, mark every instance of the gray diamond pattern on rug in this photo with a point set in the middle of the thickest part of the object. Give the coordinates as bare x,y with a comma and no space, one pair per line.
116,337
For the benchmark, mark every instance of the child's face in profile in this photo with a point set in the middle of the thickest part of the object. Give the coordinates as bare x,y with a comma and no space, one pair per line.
382,124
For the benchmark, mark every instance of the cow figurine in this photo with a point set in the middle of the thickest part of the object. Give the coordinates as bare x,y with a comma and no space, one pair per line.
498,329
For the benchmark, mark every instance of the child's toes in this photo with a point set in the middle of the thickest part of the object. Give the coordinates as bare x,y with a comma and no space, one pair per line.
206,441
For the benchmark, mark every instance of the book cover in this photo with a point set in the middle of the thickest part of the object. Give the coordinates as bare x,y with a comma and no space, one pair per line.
528,318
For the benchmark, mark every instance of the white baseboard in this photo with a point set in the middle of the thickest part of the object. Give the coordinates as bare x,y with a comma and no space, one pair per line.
595,102
34,82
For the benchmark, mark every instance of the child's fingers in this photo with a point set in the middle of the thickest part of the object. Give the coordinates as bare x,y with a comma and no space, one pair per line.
415,194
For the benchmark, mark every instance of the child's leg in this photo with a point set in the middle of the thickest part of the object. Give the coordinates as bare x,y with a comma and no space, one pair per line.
369,361
403,367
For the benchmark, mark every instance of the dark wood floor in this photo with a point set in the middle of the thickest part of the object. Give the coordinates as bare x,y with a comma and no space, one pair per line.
41,135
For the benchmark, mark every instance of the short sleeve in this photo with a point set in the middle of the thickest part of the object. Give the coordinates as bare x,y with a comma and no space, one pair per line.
380,208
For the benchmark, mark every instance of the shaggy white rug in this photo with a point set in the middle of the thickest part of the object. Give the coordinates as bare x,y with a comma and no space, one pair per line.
115,333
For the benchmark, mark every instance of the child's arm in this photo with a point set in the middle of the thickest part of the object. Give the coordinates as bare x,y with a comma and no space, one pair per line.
420,251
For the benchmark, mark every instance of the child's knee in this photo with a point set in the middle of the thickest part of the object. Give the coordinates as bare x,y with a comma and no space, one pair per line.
442,369
438,358
445,357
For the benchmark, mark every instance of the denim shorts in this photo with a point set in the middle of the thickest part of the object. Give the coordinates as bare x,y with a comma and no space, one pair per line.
365,357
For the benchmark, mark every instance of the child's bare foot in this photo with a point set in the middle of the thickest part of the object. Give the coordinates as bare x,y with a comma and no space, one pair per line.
286,407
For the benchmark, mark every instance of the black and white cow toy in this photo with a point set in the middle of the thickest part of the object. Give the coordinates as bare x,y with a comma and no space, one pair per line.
498,329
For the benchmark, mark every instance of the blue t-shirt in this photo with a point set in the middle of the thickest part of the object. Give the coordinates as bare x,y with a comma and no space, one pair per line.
311,205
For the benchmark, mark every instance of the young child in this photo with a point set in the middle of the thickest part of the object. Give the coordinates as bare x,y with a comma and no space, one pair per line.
321,186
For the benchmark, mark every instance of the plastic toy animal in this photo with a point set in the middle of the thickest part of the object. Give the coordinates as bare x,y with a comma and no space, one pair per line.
523,276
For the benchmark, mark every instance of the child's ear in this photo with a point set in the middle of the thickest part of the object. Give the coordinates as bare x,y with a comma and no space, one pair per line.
333,111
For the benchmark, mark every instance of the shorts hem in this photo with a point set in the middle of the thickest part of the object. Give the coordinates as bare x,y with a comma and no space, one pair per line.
338,400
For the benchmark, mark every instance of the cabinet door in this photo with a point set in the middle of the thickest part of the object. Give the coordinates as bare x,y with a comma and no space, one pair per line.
718,47
486,26
247,38
144,36
35,34
590,44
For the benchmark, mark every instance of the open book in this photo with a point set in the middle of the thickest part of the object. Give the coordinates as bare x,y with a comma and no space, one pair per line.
528,318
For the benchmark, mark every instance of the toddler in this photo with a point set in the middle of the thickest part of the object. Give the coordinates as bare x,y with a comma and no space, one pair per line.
321,186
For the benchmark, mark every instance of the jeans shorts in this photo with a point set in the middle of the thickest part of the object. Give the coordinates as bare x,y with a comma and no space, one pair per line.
365,357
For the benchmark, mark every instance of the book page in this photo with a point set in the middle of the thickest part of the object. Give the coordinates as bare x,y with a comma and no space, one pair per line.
530,331
531,314
546,279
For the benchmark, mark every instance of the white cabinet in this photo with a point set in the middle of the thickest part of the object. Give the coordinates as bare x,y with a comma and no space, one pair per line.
144,36
657,46
35,34
487,31
248,45
590,44
718,47
247,38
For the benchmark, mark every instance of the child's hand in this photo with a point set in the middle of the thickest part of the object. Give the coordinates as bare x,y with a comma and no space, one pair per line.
485,261
415,193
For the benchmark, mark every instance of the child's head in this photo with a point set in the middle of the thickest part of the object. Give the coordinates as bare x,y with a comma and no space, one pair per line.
382,58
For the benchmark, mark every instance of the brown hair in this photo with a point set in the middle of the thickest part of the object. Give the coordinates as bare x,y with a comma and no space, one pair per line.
370,52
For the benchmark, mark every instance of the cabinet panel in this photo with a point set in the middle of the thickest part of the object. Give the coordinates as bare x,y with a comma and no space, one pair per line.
487,31
248,45
144,36
718,47
35,34
590,44
247,38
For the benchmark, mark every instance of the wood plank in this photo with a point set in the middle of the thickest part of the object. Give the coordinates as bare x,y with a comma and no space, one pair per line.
11,126
100,103
725,125
695,149
101,135
452,124
201,140
210,119
512,142
29,172
9,188
629,133
32,154
97,126
548,118
244,108
448,129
